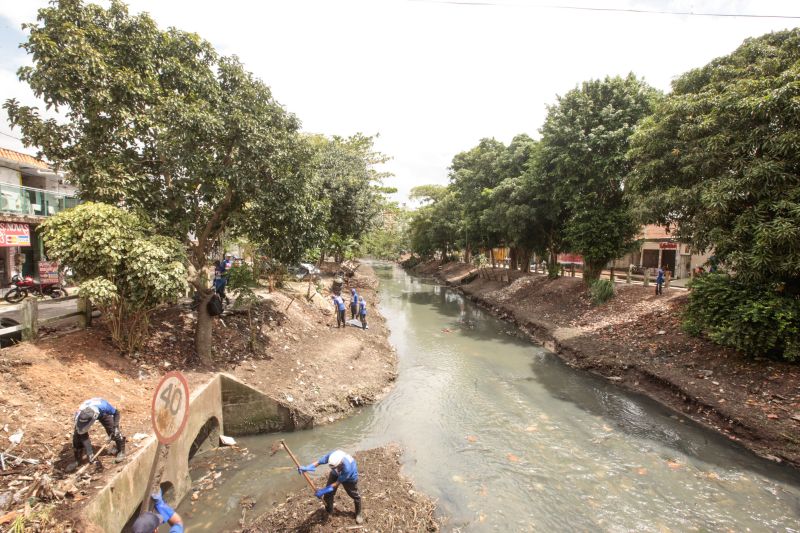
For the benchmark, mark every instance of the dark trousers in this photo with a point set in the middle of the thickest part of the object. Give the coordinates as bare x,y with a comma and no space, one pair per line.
363,321
659,287
81,441
350,488
340,322
353,310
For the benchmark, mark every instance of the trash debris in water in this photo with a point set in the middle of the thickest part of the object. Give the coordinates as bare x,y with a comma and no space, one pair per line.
513,458
227,441
472,438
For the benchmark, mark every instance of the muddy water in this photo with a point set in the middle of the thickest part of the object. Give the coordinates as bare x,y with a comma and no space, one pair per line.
507,438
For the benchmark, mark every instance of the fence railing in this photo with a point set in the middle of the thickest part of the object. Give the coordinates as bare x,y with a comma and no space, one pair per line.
29,201
30,323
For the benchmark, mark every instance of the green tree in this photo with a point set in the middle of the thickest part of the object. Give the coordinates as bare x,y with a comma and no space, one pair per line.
157,122
389,239
472,173
122,266
345,170
585,138
720,160
436,226
511,211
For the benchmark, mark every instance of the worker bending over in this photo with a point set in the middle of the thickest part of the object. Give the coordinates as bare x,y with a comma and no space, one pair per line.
344,472
89,412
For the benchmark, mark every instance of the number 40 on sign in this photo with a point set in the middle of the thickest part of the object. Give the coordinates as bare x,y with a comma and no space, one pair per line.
170,409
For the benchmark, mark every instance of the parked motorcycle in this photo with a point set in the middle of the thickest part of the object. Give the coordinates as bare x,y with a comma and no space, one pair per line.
22,287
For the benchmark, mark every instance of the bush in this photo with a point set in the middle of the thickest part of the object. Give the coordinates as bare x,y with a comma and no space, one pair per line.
122,266
602,290
755,320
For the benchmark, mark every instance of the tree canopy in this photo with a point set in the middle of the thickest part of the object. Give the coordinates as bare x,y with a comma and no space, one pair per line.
719,159
158,122
585,138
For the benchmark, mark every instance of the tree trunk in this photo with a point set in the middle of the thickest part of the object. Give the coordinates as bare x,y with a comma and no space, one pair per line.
467,254
591,270
513,257
552,265
525,259
203,332
491,256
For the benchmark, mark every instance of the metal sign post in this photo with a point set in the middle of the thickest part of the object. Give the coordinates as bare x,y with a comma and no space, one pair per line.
169,413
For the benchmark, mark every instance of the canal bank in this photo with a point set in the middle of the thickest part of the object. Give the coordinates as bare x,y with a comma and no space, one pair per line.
298,358
504,436
636,341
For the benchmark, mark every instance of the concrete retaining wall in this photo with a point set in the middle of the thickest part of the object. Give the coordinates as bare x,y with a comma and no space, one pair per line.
246,411
237,409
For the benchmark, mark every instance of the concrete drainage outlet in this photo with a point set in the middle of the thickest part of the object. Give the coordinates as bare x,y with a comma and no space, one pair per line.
224,405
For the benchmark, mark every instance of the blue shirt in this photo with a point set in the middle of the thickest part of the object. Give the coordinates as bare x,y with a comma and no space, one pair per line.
660,276
362,308
349,469
100,404
338,302
354,301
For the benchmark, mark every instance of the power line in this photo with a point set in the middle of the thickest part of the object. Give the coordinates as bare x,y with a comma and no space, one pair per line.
612,9
9,135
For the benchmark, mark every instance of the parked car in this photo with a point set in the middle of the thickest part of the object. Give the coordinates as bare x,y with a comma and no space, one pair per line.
302,270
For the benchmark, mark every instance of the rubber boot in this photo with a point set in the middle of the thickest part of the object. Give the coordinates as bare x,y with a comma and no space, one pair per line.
73,466
359,514
120,451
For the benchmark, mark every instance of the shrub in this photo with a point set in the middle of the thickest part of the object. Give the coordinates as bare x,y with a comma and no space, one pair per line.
755,320
122,267
602,290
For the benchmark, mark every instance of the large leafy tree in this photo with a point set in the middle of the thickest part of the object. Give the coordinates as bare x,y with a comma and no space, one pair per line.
511,211
584,141
720,160
155,121
345,170
436,226
472,174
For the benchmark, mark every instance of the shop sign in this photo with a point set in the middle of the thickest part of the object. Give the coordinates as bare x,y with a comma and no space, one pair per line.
668,245
48,271
13,234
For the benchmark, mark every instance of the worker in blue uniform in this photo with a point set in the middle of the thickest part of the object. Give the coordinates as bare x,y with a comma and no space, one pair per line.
88,413
344,472
353,304
362,312
338,306
148,522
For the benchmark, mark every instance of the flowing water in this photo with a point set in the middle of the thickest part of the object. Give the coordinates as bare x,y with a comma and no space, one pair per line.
508,438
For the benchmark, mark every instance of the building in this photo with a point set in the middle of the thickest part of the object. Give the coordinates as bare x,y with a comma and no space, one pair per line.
30,191
660,248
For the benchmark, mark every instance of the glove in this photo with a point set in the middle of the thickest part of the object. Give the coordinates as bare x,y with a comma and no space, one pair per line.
161,506
309,468
323,491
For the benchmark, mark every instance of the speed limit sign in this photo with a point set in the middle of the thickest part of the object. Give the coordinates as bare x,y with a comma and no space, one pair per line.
170,408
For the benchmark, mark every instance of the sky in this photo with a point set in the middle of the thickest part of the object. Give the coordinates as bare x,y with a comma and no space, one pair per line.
431,78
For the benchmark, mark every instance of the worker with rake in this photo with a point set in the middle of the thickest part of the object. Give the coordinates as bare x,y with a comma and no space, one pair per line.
344,472
88,413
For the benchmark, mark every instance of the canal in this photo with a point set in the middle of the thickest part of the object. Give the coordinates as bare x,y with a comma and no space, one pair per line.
506,437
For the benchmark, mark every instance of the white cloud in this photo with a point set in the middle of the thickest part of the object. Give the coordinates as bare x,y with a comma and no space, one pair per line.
434,78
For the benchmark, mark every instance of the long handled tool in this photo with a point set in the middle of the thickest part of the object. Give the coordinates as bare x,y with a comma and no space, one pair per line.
297,463
91,459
